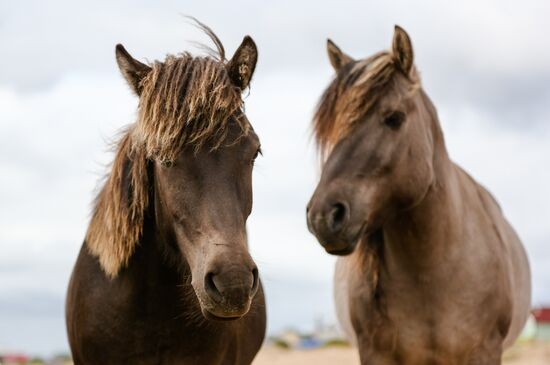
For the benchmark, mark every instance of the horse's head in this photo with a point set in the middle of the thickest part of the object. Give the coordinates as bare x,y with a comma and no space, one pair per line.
203,199
373,126
199,150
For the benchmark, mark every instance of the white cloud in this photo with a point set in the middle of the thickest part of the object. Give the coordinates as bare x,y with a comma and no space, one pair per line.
62,98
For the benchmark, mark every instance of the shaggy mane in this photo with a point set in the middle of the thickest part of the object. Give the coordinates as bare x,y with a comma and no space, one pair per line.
351,95
118,214
185,101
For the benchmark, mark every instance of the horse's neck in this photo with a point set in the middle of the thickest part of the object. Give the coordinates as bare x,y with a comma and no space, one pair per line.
422,235
426,230
158,272
158,232
163,255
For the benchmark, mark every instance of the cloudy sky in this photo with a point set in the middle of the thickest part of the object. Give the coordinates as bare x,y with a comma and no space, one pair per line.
486,66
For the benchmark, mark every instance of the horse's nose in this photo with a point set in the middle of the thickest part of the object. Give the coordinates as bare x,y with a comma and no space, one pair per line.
232,289
337,217
309,218
328,219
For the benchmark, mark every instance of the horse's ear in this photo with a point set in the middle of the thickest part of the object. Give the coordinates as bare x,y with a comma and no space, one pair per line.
242,64
132,70
402,50
336,56
118,217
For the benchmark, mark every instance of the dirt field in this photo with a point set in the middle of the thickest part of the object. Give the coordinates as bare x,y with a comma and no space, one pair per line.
532,353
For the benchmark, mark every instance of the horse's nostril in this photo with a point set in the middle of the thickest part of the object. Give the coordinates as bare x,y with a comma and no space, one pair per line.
337,217
255,280
231,286
211,288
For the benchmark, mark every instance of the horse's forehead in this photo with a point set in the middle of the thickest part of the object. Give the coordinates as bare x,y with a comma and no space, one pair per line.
369,68
187,101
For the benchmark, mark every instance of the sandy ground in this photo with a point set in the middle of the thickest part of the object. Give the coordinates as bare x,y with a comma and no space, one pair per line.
531,353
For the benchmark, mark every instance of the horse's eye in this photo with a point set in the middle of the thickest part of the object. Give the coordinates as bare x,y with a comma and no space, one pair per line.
394,120
258,152
167,163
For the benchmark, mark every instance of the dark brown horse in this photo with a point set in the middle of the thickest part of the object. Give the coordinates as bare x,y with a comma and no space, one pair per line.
164,275
433,272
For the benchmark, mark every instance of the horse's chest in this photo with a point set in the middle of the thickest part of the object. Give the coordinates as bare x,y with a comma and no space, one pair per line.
149,344
392,336
419,325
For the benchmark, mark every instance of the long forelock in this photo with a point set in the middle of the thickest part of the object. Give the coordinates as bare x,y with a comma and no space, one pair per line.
351,95
186,100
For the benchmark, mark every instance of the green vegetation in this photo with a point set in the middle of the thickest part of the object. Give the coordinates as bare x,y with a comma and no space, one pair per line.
337,342
280,343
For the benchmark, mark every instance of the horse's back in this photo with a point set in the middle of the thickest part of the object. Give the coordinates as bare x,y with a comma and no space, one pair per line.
95,312
520,278
76,312
514,258
518,273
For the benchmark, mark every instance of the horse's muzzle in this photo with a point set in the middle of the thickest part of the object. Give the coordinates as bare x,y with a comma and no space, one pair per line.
330,221
229,293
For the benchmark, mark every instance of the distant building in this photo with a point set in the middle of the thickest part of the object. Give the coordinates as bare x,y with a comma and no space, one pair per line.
13,358
289,337
542,316
322,335
60,360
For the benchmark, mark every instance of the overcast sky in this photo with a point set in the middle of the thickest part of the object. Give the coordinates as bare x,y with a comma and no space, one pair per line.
486,66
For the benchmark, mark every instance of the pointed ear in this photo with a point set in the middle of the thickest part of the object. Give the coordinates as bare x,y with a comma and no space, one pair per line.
336,56
241,66
132,70
402,50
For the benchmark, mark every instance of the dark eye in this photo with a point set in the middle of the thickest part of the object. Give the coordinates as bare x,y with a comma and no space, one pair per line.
394,120
258,152
167,163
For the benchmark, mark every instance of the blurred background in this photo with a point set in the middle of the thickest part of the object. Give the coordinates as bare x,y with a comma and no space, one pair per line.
486,66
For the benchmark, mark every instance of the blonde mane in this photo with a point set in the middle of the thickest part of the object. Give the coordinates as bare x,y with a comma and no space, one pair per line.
351,95
186,100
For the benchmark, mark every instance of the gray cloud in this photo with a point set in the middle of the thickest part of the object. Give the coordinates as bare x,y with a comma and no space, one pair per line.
484,64
32,321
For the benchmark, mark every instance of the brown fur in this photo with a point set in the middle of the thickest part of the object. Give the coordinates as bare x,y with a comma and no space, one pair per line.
354,92
185,100
164,275
423,245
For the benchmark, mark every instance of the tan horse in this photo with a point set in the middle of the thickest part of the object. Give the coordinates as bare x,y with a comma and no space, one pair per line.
432,273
